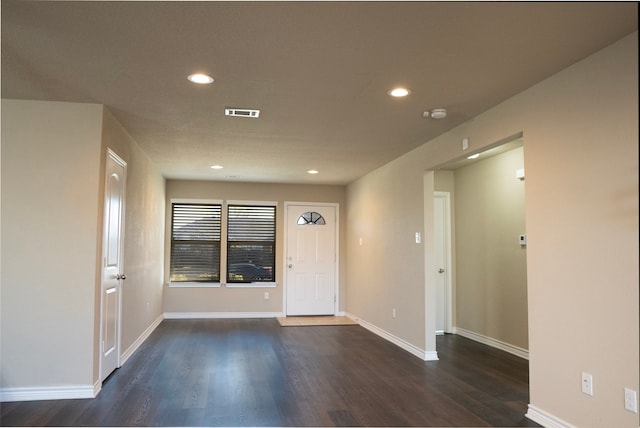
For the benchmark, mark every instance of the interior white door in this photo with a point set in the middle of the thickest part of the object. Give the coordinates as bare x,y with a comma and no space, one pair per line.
311,260
112,274
442,240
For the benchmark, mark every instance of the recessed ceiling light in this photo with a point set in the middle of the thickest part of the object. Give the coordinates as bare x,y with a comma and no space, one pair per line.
312,171
203,79
476,156
216,167
399,92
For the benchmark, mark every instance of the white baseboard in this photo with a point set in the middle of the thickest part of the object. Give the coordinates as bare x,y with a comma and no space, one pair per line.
420,353
210,315
134,347
546,419
71,392
75,391
507,347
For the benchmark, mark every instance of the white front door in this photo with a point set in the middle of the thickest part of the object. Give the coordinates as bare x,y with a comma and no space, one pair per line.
442,240
112,275
311,264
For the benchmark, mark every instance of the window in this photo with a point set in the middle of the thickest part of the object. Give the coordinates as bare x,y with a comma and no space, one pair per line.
311,217
197,257
251,238
195,242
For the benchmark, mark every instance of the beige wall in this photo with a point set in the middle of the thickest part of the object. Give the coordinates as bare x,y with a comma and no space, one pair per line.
52,199
444,181
144,233
491,270
581,132
386,272
582,225
245,300
50,217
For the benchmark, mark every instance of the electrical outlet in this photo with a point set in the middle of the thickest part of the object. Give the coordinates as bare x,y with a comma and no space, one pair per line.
631,400
266,295
393,312
587,384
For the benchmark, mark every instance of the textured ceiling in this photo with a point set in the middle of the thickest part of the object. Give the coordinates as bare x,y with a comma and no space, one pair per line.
319,72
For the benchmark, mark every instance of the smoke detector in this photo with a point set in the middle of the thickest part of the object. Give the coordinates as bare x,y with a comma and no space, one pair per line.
436,113
241,112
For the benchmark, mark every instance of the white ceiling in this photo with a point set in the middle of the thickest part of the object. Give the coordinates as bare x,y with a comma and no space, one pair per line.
318,71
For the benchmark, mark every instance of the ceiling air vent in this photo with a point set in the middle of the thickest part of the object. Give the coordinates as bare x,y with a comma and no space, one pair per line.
241,112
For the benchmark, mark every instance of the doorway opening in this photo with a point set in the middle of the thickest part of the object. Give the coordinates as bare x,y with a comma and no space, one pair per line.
481,278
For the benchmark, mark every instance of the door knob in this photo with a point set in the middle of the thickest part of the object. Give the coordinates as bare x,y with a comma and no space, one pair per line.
290,265
121,276
440,270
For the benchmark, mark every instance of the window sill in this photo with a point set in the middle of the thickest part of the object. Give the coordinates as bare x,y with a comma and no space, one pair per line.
251,284
193,284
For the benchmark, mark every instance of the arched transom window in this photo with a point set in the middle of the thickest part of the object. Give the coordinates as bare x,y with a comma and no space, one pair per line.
311,217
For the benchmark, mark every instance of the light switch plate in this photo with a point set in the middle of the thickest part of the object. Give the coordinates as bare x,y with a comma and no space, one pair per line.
587,384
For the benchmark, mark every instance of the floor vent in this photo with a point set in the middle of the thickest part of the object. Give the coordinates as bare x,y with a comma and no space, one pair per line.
241,112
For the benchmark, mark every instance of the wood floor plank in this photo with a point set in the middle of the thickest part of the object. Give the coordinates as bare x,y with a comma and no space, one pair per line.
250,372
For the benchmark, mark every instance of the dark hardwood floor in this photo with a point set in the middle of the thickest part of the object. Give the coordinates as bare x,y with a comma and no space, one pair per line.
250,372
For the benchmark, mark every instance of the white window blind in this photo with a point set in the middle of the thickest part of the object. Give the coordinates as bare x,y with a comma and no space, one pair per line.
195,242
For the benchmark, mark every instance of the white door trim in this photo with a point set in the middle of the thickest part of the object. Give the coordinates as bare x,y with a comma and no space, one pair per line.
336,207
446,196
117,159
